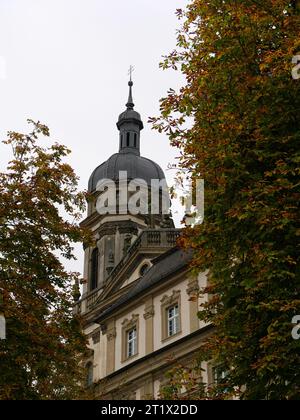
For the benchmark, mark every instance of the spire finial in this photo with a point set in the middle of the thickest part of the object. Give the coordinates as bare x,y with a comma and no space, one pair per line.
130,71
130,103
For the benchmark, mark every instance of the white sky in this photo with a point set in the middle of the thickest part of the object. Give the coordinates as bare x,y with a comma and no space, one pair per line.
65,63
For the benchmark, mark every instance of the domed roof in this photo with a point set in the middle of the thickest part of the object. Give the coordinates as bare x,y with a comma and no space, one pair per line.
128,159
130,115
135,165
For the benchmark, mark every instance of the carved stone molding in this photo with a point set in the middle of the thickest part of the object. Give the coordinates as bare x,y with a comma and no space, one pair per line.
169,300
103,328
111,334
129,229
107,229
130,323
149,312
193,288
110,228
96,336
95,331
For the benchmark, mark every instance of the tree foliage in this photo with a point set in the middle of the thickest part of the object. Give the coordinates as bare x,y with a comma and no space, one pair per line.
236,122
40,359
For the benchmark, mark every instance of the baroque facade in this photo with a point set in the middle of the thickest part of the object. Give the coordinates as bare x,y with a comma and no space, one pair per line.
139,301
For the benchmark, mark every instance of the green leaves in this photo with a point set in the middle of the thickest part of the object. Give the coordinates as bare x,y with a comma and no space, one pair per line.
244,142
40,359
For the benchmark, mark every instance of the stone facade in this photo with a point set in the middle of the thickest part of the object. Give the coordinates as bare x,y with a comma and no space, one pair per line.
139,300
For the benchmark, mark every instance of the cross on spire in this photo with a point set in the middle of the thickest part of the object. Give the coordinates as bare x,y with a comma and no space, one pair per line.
130,103
130,71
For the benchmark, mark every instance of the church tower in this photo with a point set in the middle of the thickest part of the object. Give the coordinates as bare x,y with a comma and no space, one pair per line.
116,231
140,301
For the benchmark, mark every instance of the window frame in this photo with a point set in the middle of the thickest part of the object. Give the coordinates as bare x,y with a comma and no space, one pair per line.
173,320
168,302
94,269
127,326
131,344
89,374
219,374
216,375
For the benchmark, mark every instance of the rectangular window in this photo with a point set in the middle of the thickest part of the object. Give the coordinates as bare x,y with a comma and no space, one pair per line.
94,269
219,374
173,320
131,342
90,372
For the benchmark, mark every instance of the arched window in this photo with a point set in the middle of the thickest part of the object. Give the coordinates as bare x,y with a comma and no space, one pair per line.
89,374
94,269
127,139
135,139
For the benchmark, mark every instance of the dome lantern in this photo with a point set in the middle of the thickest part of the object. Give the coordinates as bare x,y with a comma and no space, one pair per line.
128,158
130,126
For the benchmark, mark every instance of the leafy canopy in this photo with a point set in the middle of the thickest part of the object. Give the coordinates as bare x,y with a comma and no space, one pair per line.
40,359
236,122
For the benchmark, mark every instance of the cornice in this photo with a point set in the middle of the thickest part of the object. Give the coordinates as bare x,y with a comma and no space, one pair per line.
157,361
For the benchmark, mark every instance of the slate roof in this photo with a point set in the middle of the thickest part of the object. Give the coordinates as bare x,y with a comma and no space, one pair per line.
166,264
135,165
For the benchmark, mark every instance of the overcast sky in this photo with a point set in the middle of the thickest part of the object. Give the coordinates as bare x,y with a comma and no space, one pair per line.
65,63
